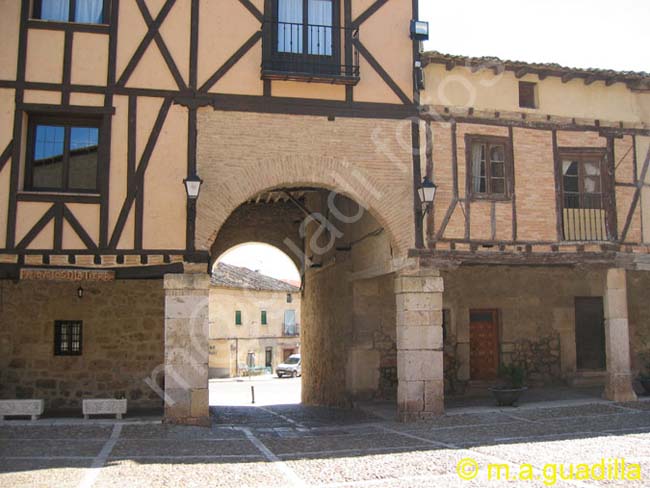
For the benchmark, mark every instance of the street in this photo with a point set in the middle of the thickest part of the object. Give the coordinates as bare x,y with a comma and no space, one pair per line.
269,390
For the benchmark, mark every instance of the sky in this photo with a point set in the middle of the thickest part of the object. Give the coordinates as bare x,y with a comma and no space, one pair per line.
576,33
266,259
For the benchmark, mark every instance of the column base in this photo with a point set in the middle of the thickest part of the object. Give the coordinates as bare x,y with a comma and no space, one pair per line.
618,388
189,421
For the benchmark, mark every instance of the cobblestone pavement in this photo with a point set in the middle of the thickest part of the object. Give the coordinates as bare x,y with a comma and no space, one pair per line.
278,446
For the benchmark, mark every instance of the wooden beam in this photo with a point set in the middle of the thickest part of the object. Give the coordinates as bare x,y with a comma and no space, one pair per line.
169,60
521,72
38,227
636,197
230,62
144,44
369,12
139,176
6,154
382,72
252,9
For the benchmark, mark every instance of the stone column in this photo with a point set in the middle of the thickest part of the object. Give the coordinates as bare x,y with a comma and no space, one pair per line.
618,386
420,390
186,348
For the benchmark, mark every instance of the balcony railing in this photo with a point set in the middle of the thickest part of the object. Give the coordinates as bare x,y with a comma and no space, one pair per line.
291,330
306,52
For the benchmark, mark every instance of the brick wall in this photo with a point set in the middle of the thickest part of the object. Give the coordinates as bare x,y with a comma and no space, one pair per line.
368,160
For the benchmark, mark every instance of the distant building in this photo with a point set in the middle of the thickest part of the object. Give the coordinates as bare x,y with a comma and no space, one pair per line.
253,321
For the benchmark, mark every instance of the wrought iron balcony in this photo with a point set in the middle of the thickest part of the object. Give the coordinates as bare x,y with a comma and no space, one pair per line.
306,52
291,330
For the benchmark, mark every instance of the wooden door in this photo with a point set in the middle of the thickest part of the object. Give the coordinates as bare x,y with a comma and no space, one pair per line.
590,334
483,344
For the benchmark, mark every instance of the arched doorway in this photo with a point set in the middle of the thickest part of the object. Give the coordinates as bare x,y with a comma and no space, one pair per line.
254,328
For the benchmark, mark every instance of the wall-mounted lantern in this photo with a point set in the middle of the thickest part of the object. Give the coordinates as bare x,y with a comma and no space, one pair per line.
193,186
427,193
80,292
419,30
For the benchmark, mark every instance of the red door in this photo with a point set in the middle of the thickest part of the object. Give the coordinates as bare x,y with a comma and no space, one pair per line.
483,344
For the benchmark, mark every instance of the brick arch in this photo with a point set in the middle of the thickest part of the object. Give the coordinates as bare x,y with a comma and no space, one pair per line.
224,191
268,224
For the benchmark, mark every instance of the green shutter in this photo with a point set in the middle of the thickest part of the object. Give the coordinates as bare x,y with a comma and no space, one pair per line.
264,317
238,317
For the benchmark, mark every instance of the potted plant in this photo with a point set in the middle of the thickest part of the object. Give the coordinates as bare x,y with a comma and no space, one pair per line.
644,379
510,385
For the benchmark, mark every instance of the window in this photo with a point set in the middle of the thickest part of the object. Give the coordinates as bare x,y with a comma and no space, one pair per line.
67,338
250,360
62,155
268,360
489,167
82,11
290,327
305,27
237,317
263,318
584,215
527,94
289,298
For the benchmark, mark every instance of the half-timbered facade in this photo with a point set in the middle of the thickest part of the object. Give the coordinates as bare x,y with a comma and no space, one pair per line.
140,140
113,112
541,218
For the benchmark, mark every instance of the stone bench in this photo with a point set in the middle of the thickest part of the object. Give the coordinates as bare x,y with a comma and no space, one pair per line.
29,408
104,406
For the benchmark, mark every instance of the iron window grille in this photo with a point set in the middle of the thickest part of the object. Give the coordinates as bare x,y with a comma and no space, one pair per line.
68,337
304,41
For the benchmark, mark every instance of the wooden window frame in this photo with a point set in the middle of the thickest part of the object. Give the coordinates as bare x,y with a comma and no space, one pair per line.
68,123
607,184
582,155
508,167
535,101
238,317
37,6
58,326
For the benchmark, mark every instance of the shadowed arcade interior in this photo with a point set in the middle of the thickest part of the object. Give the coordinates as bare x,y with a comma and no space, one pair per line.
348,335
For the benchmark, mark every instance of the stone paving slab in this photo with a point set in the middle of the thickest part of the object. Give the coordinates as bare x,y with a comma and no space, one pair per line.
126,448
42,473
425,461
316,444
42,448
178,432
325,448
167,473
37,431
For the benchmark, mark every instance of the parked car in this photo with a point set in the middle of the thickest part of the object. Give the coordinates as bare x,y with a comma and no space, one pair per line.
291,367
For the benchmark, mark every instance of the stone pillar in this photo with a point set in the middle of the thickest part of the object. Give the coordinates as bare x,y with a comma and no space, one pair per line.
420,389
186,348
618,386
